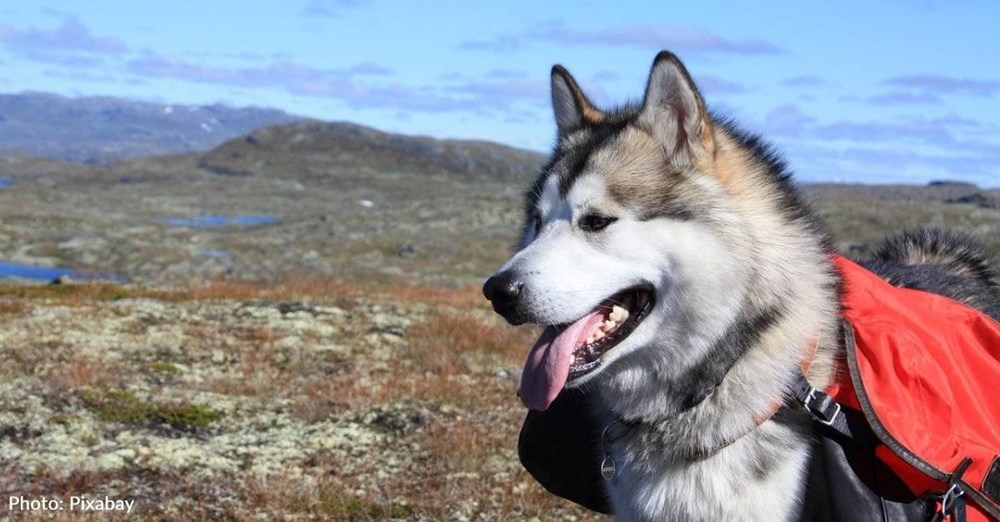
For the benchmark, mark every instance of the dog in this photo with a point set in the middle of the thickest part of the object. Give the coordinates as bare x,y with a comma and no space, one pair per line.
682,283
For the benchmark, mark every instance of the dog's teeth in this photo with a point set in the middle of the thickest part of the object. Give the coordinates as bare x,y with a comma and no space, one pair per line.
609,325
598,335
618,313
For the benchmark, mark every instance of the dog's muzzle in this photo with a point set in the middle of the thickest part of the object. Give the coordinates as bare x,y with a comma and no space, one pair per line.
505,290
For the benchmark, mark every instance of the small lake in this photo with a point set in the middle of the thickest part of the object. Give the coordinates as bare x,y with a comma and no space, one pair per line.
48,273
218,220
4,182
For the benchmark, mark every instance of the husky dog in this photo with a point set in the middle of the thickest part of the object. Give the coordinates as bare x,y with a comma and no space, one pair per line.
682,284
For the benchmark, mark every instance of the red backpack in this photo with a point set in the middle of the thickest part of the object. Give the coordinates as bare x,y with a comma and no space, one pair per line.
925,372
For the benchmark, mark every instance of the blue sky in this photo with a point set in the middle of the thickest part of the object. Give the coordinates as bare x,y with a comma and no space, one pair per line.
901,91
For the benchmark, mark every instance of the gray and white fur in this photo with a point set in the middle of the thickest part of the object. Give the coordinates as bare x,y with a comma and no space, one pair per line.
744,289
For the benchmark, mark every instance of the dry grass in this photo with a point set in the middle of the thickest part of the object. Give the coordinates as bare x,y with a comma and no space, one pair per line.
331,290
297,287
81,373
66,294
442,395
469,296
13,308
454,343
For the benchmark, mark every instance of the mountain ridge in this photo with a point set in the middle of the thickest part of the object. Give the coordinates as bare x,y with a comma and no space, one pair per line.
101,129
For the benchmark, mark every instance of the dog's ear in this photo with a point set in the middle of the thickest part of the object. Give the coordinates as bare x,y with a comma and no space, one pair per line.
571,106
675,114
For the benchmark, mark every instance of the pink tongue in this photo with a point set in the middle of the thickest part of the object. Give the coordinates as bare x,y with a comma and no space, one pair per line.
547,368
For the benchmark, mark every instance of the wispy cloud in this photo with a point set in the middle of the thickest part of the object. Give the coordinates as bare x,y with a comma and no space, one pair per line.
274,74
683,40
867,132
506,74
499,44
344,84
70,35
960,122
787,120
951,132
327,8
900,164
907,150
804,81
369,68
717,86
905,98
946,84
606,76
72,60
884,163
364,85
503,93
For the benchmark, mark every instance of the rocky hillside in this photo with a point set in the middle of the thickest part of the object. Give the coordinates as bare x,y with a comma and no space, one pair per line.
318,148
99,129
312,197
343,199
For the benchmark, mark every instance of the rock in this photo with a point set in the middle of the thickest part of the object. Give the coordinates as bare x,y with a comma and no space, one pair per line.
289,307
398,418
408,250
331,310
952,183
977,198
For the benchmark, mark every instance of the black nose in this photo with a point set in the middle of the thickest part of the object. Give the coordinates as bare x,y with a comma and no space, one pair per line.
504,291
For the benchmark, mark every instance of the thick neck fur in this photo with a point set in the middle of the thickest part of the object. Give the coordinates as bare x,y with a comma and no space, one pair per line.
786,281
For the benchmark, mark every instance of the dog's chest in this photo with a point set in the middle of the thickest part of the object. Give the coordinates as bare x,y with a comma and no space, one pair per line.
730,485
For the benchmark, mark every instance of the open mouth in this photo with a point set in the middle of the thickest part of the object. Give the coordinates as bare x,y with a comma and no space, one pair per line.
619,315
567,352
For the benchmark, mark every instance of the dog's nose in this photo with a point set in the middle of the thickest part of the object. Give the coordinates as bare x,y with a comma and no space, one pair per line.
503,290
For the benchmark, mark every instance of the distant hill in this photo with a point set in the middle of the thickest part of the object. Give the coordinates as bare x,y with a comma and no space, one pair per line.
318,148
99,129
361,204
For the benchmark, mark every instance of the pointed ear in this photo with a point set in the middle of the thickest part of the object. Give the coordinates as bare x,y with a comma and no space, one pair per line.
572,108
674,113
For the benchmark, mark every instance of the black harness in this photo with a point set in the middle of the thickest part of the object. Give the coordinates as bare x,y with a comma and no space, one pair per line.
845,482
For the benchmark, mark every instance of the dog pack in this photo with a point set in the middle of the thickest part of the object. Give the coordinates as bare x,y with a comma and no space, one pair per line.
923,385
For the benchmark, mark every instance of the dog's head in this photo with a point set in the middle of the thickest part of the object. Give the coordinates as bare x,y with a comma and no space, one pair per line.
620,228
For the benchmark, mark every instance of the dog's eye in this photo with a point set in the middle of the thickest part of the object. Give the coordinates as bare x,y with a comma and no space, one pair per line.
595,222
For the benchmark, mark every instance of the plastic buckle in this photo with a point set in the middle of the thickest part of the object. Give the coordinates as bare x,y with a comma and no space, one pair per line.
822,415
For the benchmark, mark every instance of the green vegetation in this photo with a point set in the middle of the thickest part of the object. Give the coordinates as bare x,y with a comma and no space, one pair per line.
123,406
118,406
165,368
187,416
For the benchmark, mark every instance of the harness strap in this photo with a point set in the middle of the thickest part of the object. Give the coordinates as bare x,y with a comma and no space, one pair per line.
830,415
